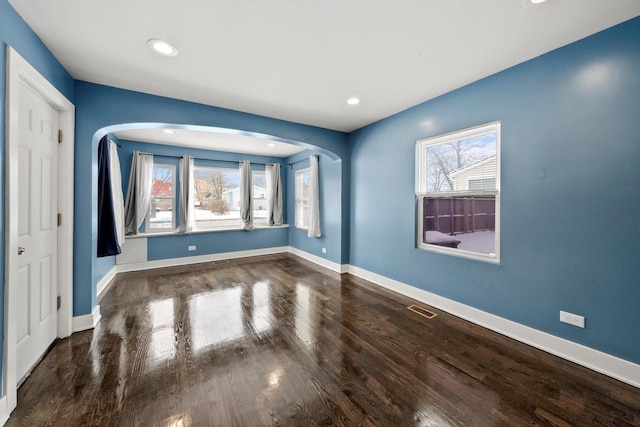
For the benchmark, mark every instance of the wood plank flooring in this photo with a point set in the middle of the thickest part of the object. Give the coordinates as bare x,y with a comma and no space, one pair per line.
277,341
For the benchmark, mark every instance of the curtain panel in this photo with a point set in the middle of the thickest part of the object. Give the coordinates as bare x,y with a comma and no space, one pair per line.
138,192
107,234
116,190
274,194
314,199
187,196
246,201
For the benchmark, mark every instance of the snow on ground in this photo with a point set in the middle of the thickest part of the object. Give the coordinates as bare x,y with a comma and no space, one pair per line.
206,218
480,241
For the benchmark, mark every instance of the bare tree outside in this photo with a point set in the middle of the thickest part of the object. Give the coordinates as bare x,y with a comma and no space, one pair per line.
444,159
211,184
163,178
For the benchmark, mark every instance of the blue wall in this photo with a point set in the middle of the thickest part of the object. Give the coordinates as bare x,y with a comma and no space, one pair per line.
329,182
570,237
16,33
100,108
167,247
570,169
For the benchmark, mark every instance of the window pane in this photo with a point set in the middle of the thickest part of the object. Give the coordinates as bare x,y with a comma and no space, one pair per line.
162,181
302,197
459,165
161,214
217,197
161,207
467,223
259,197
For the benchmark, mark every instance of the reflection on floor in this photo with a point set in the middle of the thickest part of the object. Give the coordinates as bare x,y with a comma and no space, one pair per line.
275,340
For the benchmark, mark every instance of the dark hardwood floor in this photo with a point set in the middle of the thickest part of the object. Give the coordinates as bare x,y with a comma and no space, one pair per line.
275,340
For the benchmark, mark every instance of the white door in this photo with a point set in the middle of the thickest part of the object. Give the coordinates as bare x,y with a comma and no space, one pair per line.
37,229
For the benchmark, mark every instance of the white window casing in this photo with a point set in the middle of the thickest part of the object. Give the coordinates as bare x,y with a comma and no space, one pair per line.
458,193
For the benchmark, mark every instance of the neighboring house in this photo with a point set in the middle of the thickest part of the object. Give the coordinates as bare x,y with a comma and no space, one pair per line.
161,197
161,188
232,197
480,175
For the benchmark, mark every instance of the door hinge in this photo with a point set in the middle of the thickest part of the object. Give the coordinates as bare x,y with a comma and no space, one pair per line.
59,302
59,219
59,136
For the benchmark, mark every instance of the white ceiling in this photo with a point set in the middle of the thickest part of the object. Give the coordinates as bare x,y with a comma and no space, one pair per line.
209,140
299,60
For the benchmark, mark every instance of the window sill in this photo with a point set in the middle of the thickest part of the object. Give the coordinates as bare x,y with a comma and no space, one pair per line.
477,256
208,230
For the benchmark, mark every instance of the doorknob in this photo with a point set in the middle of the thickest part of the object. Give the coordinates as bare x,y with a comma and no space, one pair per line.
21,250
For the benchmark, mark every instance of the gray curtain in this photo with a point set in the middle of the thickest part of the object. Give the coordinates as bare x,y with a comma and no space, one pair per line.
138,192
274,194
116,191
246,201
187,196
314,199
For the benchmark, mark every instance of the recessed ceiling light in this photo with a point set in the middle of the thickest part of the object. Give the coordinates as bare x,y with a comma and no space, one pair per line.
353,101
537,1
168,131
162,47
271,144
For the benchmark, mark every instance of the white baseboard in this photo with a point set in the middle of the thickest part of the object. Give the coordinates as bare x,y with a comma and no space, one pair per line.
4,410
173,262
104,283
88,321
598,361
333,266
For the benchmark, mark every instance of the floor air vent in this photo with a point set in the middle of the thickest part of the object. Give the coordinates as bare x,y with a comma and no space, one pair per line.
422,311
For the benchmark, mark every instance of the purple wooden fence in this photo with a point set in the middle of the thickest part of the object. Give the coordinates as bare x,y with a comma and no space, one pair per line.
456,215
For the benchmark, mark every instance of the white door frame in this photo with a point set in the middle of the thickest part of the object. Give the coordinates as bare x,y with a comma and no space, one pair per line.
19,71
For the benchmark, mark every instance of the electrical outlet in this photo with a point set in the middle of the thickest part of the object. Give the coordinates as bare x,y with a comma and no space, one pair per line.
572,319
191,248
324,250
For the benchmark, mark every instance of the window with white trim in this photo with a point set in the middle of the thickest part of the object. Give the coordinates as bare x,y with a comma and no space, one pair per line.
302,197
216,197
162,207
458,192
